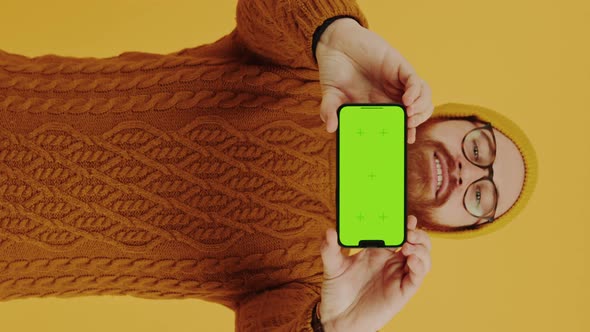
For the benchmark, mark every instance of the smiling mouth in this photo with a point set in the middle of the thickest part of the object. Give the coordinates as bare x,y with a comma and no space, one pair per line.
441,174
438,176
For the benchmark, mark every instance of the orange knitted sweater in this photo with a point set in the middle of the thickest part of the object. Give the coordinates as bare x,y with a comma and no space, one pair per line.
205,173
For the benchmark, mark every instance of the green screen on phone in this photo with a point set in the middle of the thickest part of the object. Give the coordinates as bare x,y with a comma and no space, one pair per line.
371,185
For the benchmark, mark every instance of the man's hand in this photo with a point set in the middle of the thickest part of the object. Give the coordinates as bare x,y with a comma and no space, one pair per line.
358,66
364,291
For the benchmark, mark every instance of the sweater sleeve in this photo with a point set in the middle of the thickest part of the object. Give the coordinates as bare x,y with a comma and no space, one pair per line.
281,31
288,308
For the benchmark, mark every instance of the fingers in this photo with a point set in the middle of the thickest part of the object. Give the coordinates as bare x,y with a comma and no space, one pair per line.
421,108
417,251
418,264
405,70
331,100
412,222
418,258
420,111
417,119
413,90
411,135
332,257
419,237
423,101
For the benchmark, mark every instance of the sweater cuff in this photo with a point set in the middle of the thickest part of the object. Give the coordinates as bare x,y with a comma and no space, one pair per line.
320,30
316,323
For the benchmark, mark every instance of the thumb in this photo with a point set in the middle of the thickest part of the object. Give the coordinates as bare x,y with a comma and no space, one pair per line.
332,257
332,99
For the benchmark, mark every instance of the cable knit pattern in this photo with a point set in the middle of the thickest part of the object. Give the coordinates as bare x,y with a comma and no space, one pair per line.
204,173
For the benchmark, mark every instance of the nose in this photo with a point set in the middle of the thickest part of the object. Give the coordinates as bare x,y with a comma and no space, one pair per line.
466,172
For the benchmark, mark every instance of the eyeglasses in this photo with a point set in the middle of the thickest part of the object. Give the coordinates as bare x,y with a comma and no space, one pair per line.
481,197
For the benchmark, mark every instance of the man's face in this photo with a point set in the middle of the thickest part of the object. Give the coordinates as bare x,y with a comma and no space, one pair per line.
444,206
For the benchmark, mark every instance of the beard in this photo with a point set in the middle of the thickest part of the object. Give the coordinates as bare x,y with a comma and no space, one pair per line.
421,202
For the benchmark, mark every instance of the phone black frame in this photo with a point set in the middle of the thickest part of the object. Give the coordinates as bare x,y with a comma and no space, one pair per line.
372,243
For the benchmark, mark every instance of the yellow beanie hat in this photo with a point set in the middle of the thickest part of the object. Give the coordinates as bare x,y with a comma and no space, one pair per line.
514,133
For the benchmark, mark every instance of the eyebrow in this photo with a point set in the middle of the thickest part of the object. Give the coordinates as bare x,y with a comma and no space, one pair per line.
475,125
490,142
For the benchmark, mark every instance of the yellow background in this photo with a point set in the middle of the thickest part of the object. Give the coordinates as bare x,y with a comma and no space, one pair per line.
526,59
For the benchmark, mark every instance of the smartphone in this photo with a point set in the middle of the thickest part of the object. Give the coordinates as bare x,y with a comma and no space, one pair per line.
371,175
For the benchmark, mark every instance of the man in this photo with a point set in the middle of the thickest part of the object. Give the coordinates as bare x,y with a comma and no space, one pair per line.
465,176
206,173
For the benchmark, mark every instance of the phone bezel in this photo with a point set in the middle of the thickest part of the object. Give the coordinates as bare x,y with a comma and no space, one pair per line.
371,243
